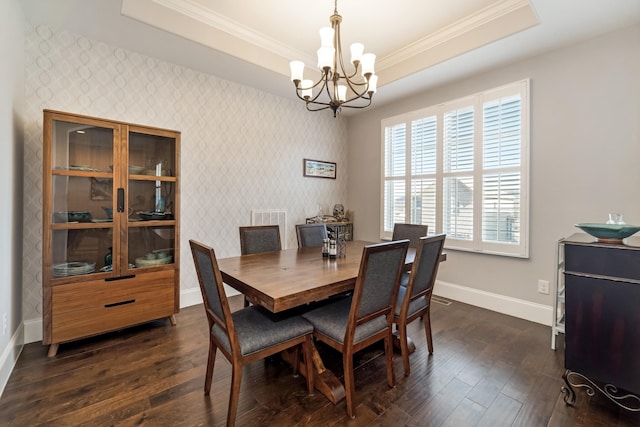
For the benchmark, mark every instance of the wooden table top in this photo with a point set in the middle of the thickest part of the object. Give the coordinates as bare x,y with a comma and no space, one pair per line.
292,277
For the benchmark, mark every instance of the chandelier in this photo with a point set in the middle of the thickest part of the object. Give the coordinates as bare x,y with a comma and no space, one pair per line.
336,88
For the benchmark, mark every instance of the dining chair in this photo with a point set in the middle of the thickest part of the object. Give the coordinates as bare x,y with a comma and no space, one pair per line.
353,323
311,234
414,299
413,232
259,238
246,335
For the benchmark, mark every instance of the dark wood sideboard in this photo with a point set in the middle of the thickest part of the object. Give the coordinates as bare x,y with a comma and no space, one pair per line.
602,319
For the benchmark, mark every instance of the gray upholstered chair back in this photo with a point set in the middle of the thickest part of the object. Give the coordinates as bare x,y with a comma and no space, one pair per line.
259,238
211,286
377,284
311,234
428,260
413,232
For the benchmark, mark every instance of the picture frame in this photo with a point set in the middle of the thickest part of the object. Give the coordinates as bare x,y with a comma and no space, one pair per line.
318,169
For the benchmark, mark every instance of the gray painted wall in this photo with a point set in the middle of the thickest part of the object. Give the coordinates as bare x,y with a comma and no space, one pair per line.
585,155
11,142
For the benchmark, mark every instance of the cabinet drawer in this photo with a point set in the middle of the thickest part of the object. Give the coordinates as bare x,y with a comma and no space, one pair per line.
612,262
89,308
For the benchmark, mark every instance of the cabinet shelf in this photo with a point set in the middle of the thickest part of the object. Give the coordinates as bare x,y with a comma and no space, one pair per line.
86,176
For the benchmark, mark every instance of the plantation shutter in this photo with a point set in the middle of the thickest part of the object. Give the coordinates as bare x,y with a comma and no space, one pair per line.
501,180
423,171
457,194
395,157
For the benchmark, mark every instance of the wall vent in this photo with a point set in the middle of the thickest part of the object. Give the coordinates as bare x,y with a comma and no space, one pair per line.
272,217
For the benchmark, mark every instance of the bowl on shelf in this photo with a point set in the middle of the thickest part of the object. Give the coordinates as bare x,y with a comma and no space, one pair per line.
151,261
135,170
151,216
609,233
72,216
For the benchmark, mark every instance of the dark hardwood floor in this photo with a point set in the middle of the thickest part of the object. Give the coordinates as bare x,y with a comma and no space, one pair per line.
487,369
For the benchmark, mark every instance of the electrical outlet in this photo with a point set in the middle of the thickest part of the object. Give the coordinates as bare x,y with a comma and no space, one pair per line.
4,324
543,287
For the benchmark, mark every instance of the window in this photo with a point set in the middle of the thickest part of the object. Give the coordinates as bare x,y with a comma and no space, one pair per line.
462,167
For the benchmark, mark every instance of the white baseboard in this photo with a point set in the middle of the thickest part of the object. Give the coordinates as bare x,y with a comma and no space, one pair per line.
10,356
522,309
32,330
190,297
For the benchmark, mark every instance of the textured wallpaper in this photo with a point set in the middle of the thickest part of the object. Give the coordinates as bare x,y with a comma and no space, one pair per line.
242,149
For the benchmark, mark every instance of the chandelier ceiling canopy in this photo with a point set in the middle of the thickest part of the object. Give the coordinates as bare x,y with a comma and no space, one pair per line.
336,87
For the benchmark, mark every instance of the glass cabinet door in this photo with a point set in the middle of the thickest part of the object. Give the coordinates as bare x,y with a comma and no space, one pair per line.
82,186
151,181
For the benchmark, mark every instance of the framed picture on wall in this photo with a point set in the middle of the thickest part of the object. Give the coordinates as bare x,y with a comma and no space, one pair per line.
319,169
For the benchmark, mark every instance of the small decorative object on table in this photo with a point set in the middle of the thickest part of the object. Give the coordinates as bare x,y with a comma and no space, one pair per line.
342,248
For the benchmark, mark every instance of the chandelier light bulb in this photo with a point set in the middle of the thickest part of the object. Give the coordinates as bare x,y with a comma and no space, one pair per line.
368,61
297,70
307,91
342,93
356,52
326,37
373,84
325,57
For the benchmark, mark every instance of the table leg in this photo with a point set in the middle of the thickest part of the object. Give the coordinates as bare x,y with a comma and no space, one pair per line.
325,381
396,343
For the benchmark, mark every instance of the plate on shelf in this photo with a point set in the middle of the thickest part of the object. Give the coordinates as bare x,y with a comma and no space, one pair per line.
609,233
102,220
153,216
73,268
85,168
144,262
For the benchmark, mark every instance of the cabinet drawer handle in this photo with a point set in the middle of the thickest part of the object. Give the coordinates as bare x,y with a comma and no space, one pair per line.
111,279
115,304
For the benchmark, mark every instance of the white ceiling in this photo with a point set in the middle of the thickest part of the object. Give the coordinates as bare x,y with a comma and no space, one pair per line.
419,43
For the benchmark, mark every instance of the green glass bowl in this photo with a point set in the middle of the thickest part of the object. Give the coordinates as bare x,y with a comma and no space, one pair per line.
613,233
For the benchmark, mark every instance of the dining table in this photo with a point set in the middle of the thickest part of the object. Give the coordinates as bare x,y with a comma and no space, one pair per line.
288,279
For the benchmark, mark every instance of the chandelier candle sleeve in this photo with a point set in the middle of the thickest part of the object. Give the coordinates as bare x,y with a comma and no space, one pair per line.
337,87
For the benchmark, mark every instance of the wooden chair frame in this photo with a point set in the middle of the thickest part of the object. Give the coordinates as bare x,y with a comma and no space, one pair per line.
235,357
348,347
404,318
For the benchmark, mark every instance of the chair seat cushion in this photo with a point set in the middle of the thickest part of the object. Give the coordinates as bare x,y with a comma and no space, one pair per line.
414,306
332,319
256,330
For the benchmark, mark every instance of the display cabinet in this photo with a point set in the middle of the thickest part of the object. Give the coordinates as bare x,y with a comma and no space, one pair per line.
111,209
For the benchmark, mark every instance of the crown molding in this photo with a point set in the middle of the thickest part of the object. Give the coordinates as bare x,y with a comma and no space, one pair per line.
234,28
193,21
458,29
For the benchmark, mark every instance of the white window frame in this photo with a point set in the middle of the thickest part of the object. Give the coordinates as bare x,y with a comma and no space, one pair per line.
477,101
